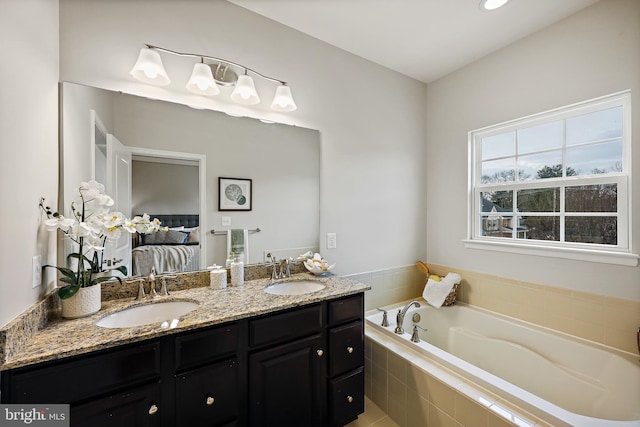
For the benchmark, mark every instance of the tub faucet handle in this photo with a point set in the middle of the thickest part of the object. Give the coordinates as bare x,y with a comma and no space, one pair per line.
385,320
414,336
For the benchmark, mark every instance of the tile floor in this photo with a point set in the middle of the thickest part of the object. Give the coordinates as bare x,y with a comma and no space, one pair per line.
372,417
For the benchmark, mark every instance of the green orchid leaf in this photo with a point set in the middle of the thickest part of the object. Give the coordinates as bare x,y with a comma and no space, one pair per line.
67,272
66,292
122,269
70,280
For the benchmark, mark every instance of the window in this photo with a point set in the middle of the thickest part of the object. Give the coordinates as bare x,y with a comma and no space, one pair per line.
558,180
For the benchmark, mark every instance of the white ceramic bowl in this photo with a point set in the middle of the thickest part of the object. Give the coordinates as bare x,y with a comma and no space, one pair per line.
318,267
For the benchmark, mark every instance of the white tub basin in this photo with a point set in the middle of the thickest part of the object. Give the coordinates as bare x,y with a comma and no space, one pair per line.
147,314
297,287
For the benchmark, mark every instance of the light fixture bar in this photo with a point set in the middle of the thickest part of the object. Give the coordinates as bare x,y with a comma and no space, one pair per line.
213,58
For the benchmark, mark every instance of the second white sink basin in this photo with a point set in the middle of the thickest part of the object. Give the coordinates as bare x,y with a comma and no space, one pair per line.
147,314
297,287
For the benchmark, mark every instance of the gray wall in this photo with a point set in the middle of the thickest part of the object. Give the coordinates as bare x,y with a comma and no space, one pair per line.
371,119
164,188
592,53
28,146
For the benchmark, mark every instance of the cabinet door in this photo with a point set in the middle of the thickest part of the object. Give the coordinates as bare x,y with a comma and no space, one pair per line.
286,386
137,407
346,347
346,397
208,396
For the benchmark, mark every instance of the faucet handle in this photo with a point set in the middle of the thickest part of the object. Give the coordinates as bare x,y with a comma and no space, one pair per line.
385,319
141,293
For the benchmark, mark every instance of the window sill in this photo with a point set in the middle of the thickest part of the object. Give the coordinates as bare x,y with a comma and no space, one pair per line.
591,255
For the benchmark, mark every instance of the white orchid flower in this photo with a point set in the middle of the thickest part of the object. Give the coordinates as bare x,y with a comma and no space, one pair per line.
58,222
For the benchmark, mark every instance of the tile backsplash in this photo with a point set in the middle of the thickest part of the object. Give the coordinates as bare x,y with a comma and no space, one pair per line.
607,320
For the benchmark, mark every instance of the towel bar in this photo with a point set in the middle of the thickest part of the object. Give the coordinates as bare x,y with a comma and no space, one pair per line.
213,231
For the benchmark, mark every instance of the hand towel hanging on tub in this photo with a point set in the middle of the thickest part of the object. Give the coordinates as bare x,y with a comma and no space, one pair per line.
238,243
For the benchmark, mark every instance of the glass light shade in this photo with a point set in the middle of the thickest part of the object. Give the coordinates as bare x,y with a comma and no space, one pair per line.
149,68
201,81
283,100
245,91
492,4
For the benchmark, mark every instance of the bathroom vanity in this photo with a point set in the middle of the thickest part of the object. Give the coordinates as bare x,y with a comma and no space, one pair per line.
300,364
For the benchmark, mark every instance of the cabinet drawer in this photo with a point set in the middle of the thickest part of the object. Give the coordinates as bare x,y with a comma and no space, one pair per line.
135,407
346,348
200,347
208,396
346,397
346,309
83,377
287,326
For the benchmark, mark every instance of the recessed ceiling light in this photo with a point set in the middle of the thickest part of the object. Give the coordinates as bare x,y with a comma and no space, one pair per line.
492,4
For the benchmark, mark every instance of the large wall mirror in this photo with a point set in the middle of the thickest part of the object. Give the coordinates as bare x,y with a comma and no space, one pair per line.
176,155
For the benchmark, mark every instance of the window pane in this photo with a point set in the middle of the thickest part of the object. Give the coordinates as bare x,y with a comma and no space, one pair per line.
592,198
497,201
592,229
496,225
538,138
540,228
539,200
539,166
495,171
595,159
502,145
595,126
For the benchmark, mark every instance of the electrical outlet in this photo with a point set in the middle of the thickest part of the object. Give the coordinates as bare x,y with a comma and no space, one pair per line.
36,273
331,240
226,221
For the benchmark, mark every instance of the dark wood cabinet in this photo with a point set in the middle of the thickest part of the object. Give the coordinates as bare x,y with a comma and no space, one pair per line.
297,367
286,385
137,407
208,396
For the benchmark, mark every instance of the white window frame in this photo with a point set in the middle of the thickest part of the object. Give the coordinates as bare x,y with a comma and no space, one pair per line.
620,254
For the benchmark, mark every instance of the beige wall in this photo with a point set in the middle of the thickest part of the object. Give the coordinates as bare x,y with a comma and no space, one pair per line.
592,53
28,145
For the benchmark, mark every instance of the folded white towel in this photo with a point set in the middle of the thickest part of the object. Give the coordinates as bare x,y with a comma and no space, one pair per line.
435,293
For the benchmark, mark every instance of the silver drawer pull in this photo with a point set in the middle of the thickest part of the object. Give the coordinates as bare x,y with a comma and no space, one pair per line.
320,353
210,400
349,349
350,399
153,409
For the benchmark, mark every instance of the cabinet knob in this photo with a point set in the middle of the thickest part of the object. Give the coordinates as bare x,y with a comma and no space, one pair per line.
153,409
320,353
350,399
349,349
210,400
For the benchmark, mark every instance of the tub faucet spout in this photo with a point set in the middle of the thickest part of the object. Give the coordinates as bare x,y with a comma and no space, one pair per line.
400,316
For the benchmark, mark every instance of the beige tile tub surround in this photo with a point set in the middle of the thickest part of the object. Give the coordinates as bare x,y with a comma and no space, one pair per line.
413,397
606,320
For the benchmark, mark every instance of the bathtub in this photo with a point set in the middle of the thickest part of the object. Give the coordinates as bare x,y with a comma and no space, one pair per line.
558,378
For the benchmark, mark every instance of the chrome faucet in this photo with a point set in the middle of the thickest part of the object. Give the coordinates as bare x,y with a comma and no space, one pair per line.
152,286
285,269
400,316
152,283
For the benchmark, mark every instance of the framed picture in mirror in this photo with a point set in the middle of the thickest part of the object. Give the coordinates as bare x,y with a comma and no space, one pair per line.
234,194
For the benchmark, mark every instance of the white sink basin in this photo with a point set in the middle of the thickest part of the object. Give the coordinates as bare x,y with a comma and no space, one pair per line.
298,287
164,313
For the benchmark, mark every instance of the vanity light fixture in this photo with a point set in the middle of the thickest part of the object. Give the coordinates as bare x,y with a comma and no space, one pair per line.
492,4
208,75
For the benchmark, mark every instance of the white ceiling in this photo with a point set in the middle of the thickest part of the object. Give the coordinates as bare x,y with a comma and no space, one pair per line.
423,39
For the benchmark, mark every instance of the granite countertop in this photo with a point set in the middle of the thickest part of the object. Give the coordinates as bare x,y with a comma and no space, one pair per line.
60,338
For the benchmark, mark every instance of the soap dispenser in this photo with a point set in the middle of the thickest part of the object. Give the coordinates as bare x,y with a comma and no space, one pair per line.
237,272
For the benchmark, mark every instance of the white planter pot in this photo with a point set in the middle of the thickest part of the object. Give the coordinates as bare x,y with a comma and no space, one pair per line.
85,302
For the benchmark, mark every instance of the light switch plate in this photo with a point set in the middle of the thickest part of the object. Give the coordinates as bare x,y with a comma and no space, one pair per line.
36,274
331,241
226,221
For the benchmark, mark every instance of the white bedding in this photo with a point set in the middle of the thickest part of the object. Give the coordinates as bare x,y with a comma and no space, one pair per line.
165,259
